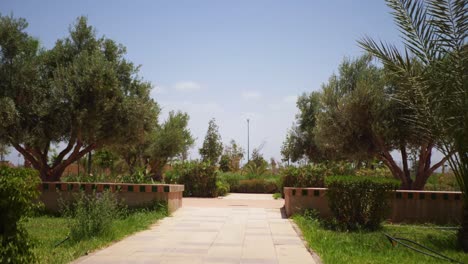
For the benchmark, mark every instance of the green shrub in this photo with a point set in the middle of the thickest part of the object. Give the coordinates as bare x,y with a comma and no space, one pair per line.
92,215
442,182
222,188
358,202
313,175
224,163
277,195
199,178
138,176
240,183
232,178
304,176
18,190
382,172
257,186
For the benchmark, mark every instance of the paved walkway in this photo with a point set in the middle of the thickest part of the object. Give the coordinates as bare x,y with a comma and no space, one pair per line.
235,229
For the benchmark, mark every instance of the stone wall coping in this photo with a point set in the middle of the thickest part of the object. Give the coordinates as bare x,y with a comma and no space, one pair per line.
401,191
114,187
399,194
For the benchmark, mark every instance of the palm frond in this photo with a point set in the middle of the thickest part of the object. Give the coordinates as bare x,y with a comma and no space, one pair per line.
411,17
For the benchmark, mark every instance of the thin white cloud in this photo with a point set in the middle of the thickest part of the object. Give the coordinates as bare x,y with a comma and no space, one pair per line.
290,99
159,90
202,109
187,86
248,95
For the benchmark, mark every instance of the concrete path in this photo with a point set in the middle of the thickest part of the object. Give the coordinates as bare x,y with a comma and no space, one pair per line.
234,229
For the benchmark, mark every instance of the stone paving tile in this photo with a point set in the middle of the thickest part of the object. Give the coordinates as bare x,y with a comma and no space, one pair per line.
226,234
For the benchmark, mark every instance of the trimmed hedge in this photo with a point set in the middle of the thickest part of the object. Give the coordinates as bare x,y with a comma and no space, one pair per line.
304,176
199,178
250,183
18,190
255,186
358,202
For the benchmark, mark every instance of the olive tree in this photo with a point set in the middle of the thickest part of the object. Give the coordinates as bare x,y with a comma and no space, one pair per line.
82,93
359,120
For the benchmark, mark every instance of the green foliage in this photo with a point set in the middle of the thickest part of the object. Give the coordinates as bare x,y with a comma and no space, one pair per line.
48,230
255,169
300,140
83,92
232,178
199,178
250,183
212,145
104,159
224,163
359,202
171,139
277,195
234,153
138,176
222,188
373,247
257,166
256,186
91,215
313,175
4,150
382,172
442,182
18,190
304,176
432,72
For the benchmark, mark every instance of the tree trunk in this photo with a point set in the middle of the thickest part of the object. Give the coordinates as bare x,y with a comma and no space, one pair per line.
406,172
38,159
396,171
156,167
424,167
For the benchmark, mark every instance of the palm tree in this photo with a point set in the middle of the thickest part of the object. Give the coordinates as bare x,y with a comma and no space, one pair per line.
431,71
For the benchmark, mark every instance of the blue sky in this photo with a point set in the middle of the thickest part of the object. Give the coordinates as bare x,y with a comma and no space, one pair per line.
229,60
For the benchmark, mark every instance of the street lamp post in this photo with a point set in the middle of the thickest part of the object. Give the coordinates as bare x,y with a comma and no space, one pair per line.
248,140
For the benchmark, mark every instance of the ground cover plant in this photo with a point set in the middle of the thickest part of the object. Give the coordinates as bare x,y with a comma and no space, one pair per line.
373,247
92,214
48,231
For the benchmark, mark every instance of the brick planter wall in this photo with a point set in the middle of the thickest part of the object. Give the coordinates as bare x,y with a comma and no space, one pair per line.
133,195
407,206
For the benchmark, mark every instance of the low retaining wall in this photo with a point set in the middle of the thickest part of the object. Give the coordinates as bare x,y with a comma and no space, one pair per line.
133,195
407,206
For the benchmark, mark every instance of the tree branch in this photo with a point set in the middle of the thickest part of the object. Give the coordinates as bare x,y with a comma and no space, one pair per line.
27,155
64,152
441,162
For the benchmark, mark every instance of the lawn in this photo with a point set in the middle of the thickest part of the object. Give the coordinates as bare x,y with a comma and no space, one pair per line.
47,231
373,247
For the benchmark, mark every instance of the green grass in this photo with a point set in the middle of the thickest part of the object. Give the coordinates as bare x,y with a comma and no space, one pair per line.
373,247
47,231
